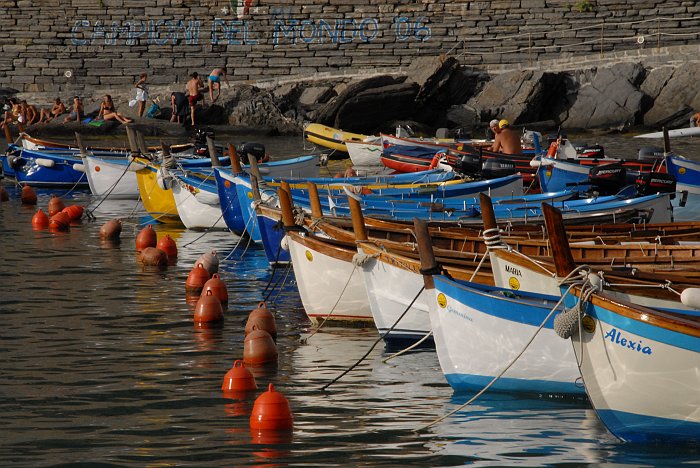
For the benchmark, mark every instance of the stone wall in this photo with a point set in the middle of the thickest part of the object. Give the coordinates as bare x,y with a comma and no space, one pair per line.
74,45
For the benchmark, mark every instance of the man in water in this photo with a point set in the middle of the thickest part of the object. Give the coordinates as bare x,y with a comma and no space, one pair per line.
215,79
506,140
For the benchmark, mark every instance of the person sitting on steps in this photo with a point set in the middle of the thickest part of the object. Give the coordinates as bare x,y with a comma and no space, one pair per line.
109,112
77,112
58,108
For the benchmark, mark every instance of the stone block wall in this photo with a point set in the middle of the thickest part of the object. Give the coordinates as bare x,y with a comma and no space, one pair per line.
71,45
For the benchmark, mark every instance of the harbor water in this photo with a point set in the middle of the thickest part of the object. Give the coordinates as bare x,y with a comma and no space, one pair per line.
102,365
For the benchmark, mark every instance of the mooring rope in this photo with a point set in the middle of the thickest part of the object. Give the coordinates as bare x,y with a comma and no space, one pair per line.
381,337
328,315
409,348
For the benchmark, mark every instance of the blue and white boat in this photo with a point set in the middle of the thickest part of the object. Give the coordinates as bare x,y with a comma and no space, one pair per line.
479,330
50,169
640,369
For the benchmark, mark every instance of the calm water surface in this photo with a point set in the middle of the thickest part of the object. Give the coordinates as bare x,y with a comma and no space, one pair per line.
101,363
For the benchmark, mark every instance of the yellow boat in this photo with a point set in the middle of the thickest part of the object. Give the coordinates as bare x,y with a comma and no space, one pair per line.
329,137
159,202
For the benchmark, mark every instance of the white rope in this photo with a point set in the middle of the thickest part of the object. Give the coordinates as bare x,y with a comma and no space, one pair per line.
405,350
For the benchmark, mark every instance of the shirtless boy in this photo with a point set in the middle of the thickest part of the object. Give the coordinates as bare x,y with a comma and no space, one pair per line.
194,93
215,79
506,141
57,109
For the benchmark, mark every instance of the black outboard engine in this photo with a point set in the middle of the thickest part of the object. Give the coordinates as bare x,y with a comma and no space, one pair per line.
496,167
469,164
650,153
200,142
649,183
256,149
608,179
591,152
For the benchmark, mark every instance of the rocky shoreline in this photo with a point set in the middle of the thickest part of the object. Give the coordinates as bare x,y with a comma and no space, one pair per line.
433,93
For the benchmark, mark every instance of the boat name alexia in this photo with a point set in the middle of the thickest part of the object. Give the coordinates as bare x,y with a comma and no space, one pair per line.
616,337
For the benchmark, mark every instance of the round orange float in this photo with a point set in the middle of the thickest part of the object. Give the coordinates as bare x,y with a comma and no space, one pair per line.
208,309
56,205
196,280
271,411
261,319
146,238
28,196
40,220
217,287
168,245
238,379
259,348
112,229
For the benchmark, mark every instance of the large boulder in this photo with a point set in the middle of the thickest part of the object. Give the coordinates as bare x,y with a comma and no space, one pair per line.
249,106
327,114
520,96
678,94
373,107
611,99
431,73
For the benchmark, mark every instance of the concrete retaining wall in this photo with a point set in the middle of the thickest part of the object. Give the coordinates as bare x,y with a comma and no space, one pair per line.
76,45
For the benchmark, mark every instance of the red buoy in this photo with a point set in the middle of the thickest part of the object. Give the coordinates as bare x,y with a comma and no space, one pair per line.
28,196
112,229
238,379
210,261
208,310
59,222
40,220
271,411
74,212
196,280
262,319
218,288
146,238
56,205
4,196
168,245
259,348
152,256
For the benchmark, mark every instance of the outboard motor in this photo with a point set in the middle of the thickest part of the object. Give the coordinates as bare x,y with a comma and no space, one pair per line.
256,149
649,183
469,164
591,152
200,142
650,153
496,167
608,179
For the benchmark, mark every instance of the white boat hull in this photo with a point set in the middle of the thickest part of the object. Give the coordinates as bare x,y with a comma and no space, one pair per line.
330,288
389,303
111,179
365,154
193,213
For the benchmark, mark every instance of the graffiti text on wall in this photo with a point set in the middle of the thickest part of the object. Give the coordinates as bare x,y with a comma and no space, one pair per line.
238,32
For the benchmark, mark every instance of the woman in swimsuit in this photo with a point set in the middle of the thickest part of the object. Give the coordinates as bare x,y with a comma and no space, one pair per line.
109,112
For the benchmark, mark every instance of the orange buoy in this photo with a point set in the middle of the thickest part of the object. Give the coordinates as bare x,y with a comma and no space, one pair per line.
238,379
40,220
262,319
4,196
112,229
218,288
146,238
56,205
210,261
59,222
196,280
168,245
259,348
152,256
74,212
28,196
271,411
208,309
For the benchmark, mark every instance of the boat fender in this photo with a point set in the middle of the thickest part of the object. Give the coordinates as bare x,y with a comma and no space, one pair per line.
566,323
535,162
79,167
207,198
163,179
691,297
45,162
284,244
13,161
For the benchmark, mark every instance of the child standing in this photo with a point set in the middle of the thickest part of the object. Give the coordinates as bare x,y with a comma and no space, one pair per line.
141,93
